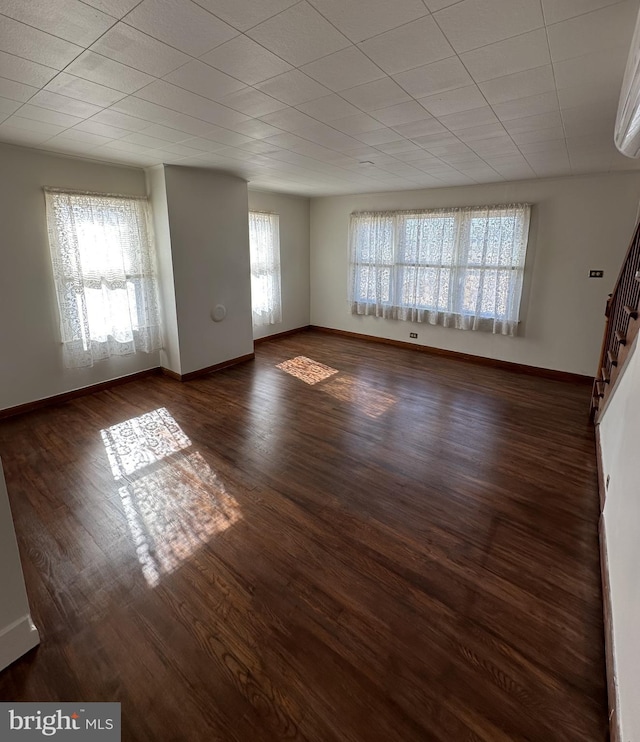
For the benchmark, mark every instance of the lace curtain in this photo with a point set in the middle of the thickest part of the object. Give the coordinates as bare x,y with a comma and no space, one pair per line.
104,270
264,240
459,268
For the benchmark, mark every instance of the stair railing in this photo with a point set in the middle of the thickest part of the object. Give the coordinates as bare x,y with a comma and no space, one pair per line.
621,326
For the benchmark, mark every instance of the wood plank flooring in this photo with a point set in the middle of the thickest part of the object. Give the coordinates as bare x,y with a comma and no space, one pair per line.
405,550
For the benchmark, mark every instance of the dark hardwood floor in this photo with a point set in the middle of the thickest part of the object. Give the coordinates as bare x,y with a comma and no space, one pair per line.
403,551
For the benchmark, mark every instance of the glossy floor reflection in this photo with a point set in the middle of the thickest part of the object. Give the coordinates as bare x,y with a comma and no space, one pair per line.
311,372
173,501
362,395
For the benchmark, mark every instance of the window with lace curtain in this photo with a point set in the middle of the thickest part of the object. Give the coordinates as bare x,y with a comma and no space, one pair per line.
264,241
104,270
457,267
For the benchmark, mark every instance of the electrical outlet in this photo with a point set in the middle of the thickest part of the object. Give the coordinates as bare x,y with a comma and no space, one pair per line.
596,274
413,334
608,480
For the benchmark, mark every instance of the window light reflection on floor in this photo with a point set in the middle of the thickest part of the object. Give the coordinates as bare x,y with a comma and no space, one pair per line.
303,368
344,387
172,499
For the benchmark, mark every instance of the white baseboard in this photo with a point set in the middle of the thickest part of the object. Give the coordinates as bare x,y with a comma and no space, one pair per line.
17,639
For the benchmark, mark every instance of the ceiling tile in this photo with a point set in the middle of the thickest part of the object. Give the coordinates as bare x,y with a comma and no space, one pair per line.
34,45
376,94
600,69
474,23
40,127
485,131
131,47
473,117
546,148
357,124
14,133
252,102
361,19
257,129
158,114
453,101
55,102
109,117
530,106
556,11
205,145
288,119
402,113
507,57
84,90
293,88
180,23
83,137
104,130
538,135
328,108
7,107
183,101
435,5
580,95
531,123
246,60
421,128
583,120
70,20
244,14
344,69
22,70
519,85
104,71
16,90
380,136
204,80
402,147
608,28
35,113
299,35
164,132
412,45
438,77
115,8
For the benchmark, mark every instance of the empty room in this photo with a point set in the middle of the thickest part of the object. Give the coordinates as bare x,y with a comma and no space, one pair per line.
319,391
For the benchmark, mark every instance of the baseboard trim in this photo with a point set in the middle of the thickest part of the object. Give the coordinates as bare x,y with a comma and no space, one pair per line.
602,486
17,639
612,694
278,335
545,373
39,404
209,369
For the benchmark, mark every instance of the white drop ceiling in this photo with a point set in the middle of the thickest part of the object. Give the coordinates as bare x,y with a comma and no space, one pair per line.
321,96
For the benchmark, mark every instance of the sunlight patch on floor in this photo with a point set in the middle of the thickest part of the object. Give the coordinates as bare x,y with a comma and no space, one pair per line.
359,393
303,368
173,501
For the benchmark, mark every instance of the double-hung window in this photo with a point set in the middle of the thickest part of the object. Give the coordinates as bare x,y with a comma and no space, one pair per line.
105,275
459,267
264,242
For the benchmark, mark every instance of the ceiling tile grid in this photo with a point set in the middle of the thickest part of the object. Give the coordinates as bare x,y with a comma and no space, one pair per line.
321,97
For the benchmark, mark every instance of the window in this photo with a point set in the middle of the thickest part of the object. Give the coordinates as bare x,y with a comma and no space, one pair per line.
264,240
459,268
104,271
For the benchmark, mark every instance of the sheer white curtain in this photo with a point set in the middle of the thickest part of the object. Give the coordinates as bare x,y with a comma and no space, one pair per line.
104,270
264,240
459,268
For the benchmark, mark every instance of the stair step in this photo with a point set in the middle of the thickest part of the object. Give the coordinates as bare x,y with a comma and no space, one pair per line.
613,358
633,313
621,337
600,388
605,375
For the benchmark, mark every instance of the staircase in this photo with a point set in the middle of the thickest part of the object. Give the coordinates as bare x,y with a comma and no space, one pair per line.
622,326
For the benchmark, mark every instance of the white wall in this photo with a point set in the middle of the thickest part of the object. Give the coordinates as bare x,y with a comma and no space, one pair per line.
156,187
294,257
577,224
17,632
619,436
31,365
208,220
